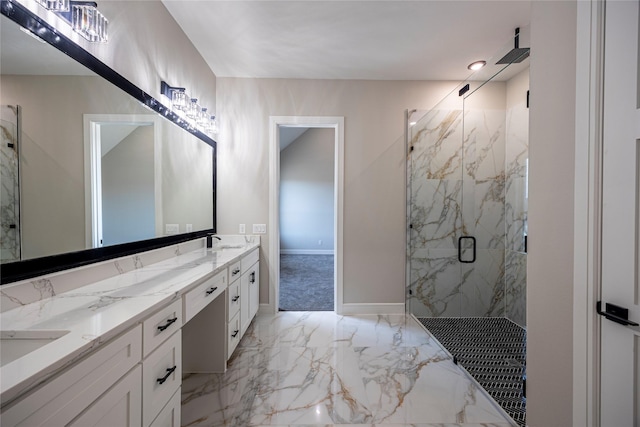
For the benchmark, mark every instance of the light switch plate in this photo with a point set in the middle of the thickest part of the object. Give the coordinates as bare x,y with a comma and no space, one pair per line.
259,228
189,228
171,229
242,229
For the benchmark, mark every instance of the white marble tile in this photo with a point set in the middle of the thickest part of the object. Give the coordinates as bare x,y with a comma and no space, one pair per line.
400,376
435,282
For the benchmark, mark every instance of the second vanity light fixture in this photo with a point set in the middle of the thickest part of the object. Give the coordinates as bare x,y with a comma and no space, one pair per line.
83,16
189,109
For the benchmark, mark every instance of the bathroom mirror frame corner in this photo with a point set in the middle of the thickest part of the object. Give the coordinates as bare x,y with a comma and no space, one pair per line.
11,272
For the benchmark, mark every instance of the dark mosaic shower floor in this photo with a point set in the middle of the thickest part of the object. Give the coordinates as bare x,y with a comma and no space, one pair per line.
493,351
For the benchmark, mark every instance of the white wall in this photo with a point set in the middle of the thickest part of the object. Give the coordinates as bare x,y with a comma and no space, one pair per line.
306,193
374,213
551,215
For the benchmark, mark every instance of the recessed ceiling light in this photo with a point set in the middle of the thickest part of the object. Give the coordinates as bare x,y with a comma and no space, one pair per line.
475,66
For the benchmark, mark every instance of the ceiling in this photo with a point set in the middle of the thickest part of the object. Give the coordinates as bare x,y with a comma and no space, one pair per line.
373,40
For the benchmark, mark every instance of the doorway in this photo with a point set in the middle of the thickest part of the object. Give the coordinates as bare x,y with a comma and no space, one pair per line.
290,126
307,163
117,157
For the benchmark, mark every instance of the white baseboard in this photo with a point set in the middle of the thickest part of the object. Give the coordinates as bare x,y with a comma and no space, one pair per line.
306,251
358,308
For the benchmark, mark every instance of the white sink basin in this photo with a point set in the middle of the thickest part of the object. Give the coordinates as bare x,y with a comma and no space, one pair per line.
15,344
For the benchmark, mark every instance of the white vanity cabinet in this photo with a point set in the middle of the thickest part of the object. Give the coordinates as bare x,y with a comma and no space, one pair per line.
234,302
89,391
249,289
134,379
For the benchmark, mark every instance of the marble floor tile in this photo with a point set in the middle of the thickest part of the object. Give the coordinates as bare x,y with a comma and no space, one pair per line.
318,368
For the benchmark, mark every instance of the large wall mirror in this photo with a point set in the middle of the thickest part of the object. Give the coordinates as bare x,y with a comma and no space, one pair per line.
90,172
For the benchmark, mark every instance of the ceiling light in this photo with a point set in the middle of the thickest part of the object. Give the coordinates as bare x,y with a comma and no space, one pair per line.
475,66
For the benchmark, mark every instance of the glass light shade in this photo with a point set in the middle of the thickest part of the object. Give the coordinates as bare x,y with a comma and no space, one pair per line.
193,109
56,5
179,100
213,126
203,118
89,22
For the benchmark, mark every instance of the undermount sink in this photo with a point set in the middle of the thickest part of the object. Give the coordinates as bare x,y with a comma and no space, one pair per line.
223,246
16,344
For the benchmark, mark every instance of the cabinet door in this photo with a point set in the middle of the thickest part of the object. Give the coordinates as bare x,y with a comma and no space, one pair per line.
63,398
120,406
254,291
244,302
170,415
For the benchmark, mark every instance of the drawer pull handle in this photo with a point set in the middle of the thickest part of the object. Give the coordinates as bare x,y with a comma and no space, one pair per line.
236,298
166,325
252,277
212,290
236,271
169,372
235,333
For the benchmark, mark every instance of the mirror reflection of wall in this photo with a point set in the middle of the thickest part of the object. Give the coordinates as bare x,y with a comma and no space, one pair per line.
55,94
127,183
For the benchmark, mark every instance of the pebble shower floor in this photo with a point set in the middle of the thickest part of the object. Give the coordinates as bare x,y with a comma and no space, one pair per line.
493,351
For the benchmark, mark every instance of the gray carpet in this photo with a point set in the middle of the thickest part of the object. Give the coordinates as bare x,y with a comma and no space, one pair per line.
306,282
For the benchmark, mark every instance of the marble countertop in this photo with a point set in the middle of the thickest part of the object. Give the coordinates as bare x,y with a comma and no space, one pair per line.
95,313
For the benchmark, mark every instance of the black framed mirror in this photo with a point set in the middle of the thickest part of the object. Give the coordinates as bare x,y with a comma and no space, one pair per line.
174,207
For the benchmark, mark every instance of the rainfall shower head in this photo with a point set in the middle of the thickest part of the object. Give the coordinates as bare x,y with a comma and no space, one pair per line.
517,54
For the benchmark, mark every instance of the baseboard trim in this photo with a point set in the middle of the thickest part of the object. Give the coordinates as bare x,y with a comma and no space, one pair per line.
358,308
306,251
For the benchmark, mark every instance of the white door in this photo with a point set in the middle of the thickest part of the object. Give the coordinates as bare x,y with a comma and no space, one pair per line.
620,344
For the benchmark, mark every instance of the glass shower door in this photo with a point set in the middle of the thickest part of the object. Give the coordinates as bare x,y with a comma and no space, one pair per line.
435,191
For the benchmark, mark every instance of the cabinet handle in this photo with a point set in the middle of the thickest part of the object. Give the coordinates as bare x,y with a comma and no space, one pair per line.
211,290
235,333
236,298
236,271
252,277
166,325
169,372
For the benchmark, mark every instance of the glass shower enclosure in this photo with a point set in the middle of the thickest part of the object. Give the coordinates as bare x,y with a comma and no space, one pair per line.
467,168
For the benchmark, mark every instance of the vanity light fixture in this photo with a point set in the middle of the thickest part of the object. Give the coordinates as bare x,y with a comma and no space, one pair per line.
475,66
188,108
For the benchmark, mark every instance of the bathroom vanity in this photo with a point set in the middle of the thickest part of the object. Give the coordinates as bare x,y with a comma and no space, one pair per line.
108,343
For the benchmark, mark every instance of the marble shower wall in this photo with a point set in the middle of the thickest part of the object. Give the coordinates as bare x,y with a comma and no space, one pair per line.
467,176
9,183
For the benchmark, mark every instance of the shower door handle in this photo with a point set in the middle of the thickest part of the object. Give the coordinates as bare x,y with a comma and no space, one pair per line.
473,241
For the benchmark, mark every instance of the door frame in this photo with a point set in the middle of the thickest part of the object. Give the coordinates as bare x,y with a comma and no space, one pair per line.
588,211
336,123
93,170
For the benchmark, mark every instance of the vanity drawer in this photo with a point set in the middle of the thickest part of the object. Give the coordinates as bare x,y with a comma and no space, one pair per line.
250,259
234,271
170,414
233,338
161,377
233,300
198,298
158,327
